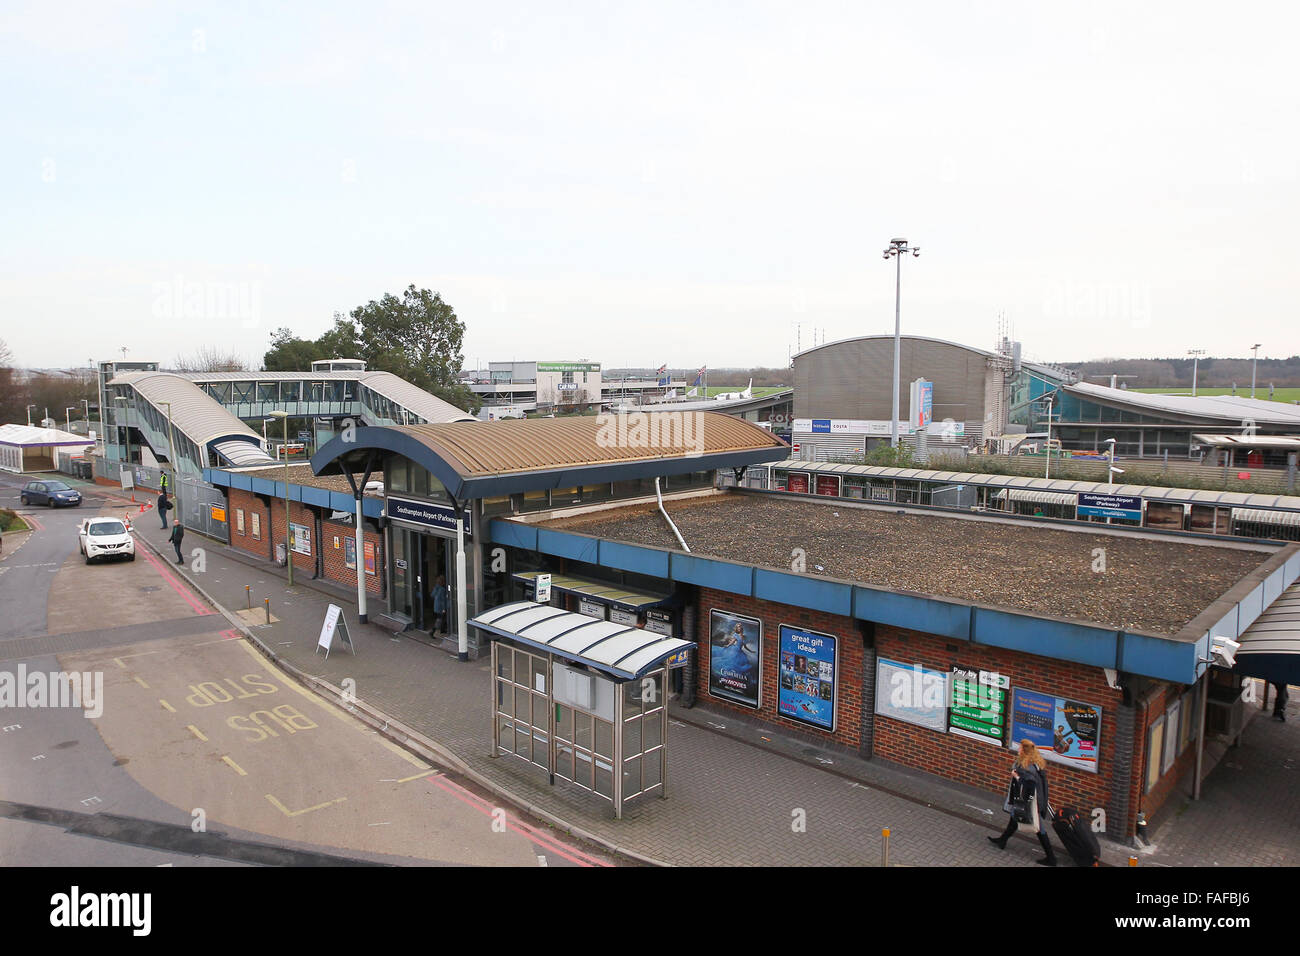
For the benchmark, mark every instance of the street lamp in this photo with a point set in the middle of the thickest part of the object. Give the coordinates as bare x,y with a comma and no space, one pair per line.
1253,366
897,248
67,416
1196,358
29,415
1111,470
1050,397
288,532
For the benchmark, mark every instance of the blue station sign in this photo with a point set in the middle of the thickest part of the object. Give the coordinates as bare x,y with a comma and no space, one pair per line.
1124,507
427,513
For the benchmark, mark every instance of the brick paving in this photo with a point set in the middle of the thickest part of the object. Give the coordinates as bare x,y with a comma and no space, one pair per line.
736,791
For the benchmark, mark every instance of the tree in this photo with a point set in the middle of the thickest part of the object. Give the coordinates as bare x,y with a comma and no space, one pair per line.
208,358
11,403
289,353
417,337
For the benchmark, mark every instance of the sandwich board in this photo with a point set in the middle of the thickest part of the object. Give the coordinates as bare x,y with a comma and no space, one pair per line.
335,622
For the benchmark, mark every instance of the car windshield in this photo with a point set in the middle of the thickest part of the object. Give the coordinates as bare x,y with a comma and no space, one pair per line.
56,486
102,529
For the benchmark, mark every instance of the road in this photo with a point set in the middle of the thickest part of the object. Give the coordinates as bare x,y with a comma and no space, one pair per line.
204,753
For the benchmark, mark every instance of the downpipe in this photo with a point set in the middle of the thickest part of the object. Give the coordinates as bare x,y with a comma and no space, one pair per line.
663,511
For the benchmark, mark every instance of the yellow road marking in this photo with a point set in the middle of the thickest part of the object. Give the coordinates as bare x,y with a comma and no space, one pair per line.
140,681
294,813
118,662
126,656
170,708
404,754
238,769
196,732
420,776
293,685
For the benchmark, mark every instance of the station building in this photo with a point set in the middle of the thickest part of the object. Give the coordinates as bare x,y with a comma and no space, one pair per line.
885,629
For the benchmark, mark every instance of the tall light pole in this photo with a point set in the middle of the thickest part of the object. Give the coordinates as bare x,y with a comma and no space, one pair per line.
1051,396
897,248
288,534
67,416
1196,358
29,415
1253,366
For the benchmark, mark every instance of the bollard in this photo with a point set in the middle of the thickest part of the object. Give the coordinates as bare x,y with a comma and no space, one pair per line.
248,595
268,610
884,847
1132,861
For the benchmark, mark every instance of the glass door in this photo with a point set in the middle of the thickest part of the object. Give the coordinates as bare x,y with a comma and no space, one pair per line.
402,575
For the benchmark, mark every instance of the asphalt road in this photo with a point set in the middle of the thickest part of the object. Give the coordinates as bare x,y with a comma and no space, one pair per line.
198,751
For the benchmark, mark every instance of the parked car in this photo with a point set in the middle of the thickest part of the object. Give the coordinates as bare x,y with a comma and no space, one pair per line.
106,538
50,493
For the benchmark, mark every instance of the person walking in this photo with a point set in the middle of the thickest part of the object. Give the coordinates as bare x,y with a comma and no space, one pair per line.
440,605
178,533
1030,766
164,505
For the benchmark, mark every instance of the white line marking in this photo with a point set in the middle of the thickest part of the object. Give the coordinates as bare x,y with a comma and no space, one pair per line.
541,860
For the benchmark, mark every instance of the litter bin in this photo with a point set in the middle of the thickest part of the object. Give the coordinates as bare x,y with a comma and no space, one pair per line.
280,555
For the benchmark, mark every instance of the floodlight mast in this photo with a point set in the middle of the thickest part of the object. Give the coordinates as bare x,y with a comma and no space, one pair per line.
897,248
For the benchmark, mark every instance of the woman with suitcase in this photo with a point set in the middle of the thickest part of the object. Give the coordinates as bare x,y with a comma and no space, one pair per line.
1029,779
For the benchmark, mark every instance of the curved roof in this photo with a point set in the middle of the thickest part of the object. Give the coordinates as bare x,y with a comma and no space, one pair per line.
616,649
913,338
195,413
477,458
1217,408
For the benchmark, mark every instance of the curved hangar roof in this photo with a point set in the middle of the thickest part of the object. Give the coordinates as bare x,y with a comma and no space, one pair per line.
481,459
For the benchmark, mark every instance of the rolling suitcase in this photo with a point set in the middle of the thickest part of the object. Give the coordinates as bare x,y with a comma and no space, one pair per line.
1075,834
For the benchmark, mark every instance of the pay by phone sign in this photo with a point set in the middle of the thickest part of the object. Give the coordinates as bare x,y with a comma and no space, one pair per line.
542,589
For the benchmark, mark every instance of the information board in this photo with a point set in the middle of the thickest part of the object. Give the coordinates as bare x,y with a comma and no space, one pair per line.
335,623
979,705
591,609
1124,507
912,693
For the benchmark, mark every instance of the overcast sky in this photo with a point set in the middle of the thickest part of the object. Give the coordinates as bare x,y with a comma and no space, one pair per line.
650,183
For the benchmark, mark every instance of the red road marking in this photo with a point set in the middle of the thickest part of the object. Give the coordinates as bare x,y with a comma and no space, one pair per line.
177,586
35,522
231,634
572,854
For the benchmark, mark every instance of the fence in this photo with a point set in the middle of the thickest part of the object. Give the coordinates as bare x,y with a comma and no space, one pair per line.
200,506
1137,471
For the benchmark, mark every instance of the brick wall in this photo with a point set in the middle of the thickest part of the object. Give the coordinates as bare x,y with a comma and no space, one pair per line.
272,523
848,677
1153,707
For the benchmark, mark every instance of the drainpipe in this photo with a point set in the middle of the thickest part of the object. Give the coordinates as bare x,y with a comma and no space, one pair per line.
663,512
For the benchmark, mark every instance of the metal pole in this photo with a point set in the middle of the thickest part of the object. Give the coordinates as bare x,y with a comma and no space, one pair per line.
898,307
288,546
171,459
1048,472
462,631
361,569
1253,366
1200,736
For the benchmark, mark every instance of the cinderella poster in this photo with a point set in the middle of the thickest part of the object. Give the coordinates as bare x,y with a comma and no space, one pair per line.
735,657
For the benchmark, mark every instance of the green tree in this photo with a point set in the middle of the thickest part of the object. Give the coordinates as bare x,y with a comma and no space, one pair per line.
289,353
417,337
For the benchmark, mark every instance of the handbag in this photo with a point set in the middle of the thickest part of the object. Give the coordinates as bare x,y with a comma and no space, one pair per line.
1022,802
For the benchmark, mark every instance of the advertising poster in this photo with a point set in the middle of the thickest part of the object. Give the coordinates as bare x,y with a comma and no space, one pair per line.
807,691
1066,731
735,653
368,550
797,481
350,552
979,705
828,485
912,693
300,538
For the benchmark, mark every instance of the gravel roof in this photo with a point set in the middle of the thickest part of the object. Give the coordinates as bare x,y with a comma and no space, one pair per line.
301,474
1151,585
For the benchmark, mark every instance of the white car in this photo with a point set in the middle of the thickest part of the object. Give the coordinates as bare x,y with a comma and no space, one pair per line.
106,538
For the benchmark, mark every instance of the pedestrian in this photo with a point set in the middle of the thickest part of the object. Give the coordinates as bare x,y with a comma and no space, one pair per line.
440,605
164,505
1279,705
178,533
1030,766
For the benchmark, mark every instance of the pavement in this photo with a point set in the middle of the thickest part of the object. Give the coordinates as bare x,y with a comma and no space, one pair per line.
738,794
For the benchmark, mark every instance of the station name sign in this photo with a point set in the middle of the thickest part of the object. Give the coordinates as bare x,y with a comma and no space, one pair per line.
442,517
1124,507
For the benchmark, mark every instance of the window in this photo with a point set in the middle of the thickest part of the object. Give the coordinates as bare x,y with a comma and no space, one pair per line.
1171,736
257,525
239,520
1155,747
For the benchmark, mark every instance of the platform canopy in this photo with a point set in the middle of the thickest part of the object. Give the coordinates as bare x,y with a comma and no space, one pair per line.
625,653
1270,648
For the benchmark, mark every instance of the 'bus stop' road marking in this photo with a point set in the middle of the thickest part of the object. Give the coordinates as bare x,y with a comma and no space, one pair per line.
295,813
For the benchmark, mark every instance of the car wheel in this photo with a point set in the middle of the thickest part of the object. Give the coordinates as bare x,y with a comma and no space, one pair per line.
50,502
87,559
131,557
23,498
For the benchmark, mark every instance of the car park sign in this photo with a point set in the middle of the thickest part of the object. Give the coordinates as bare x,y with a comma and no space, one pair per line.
1123,507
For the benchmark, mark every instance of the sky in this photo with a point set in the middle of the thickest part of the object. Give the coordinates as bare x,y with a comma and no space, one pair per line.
641,184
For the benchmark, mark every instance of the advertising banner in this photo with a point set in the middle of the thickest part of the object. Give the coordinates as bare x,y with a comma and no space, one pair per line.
735,657
797,481
828,485
369,556
350,552
300,538
979,705
1066,731
807,692
912,693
